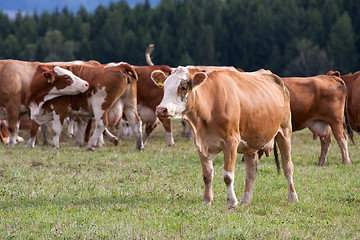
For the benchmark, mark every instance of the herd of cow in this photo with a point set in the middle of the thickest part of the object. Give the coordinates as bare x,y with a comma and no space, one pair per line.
228,110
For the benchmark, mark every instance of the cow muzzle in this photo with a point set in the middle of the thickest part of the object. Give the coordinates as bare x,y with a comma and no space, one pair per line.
162,112
86,86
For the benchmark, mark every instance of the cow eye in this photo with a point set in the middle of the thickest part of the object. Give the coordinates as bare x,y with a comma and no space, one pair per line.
183,89
67,79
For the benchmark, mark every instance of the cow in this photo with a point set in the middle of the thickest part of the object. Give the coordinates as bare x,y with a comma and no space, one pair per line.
148,97
15,78
319,103
352,82
106,86
226,111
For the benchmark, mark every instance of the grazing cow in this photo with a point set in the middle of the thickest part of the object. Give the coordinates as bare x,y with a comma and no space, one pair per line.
352,82
106,86
318,103
226,110
15,78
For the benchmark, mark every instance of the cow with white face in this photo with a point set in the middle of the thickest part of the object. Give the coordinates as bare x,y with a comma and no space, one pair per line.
226,110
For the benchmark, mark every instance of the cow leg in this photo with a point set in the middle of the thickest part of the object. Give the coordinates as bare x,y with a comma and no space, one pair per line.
81,129
148,130
57,128
13,117
186,130
34,128
342,141
111,137
325,145
168,131
45,131
70,130
322,129
208,175
283,140
230,153
136,124
99,129
251,165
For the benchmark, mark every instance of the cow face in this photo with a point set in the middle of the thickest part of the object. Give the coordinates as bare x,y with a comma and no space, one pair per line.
176,89
64,82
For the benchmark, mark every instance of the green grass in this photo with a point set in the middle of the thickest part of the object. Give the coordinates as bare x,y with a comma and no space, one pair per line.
119,193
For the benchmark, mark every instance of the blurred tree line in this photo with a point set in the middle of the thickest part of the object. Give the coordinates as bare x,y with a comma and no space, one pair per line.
291,38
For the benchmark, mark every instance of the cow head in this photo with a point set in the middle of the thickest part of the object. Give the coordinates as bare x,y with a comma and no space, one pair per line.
176,89
63,82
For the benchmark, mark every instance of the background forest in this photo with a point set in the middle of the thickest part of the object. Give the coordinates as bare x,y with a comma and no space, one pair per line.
291,38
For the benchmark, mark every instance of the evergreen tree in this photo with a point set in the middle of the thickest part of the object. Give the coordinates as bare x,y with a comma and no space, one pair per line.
341,45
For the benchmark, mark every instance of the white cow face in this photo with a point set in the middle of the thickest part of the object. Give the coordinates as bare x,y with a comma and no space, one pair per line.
64,83
176,90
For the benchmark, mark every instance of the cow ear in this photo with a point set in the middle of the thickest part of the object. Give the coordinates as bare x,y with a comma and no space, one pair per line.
158,77
49,76
198,79
334,73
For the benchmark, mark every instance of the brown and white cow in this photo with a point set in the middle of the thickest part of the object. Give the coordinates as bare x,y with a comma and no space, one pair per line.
15,78
106,86
352,81
149,96
318,103
226,110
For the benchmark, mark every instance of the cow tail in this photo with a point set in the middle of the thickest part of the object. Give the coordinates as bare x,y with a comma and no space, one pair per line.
148,52
347,123
277,162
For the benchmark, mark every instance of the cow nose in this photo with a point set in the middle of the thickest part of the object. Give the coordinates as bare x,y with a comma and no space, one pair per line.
162,112
86,85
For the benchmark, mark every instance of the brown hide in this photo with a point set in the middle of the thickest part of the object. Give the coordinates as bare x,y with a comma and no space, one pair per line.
231,112
114,82
319,99
15,78
150,95
352,82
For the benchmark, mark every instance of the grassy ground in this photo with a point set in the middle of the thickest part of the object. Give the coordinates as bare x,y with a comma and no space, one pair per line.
119,193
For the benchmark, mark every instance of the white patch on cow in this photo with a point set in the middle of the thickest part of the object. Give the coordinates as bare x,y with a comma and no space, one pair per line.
38,114
174,104
96,101
23,109
229,180
169,139
31,143
57,128
242,146
78,86
112,64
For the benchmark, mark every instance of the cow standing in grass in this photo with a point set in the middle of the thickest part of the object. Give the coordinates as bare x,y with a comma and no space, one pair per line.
234,113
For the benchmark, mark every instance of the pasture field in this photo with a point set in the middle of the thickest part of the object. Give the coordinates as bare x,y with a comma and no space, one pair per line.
119,193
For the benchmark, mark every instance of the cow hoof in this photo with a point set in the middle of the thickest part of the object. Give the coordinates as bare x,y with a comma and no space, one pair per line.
292,197
89,149
206,202
232,203
115,141
55,147
247,197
